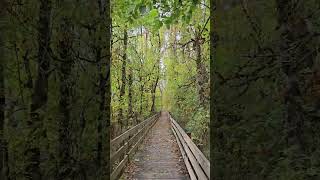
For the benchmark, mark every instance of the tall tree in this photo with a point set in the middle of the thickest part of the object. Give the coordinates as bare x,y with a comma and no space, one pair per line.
3,142
65,92
108,88
130,91
103,60
155,84
123,123
39,94
213,79
153,94
202,78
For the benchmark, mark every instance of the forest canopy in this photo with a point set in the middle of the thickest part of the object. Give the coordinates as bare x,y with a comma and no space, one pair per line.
161,62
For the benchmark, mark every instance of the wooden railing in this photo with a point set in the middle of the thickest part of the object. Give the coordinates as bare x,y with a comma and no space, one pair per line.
124,146
197,164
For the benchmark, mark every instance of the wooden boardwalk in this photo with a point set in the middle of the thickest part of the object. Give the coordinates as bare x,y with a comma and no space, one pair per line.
159,157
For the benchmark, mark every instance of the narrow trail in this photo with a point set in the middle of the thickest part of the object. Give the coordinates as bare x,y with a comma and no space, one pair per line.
159,157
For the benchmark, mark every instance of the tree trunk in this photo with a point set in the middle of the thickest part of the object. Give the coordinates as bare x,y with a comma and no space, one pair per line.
40,94
102,104
107,108
2,111
104,116
154,88
294,59
123,80
3,143
27,69
65,90
216,135
141,93
102,87
153,92
202,78
130,92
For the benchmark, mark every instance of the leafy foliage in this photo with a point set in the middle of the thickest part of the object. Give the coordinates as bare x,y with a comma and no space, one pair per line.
157,57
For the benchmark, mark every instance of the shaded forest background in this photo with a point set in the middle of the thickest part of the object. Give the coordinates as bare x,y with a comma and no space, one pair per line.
55,89
55,116
265,89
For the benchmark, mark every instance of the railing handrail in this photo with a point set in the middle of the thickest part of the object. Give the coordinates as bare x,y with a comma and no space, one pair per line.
124,146
122,137
197,164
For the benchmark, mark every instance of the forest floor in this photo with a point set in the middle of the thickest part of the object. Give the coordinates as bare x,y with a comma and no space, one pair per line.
159,157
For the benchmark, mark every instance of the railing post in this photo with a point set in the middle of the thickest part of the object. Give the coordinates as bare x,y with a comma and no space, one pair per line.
189,134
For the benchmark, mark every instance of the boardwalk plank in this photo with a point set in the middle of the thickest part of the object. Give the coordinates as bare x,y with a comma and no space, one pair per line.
159,157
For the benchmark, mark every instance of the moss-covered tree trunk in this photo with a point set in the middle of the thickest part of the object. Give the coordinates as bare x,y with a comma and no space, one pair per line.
202,79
